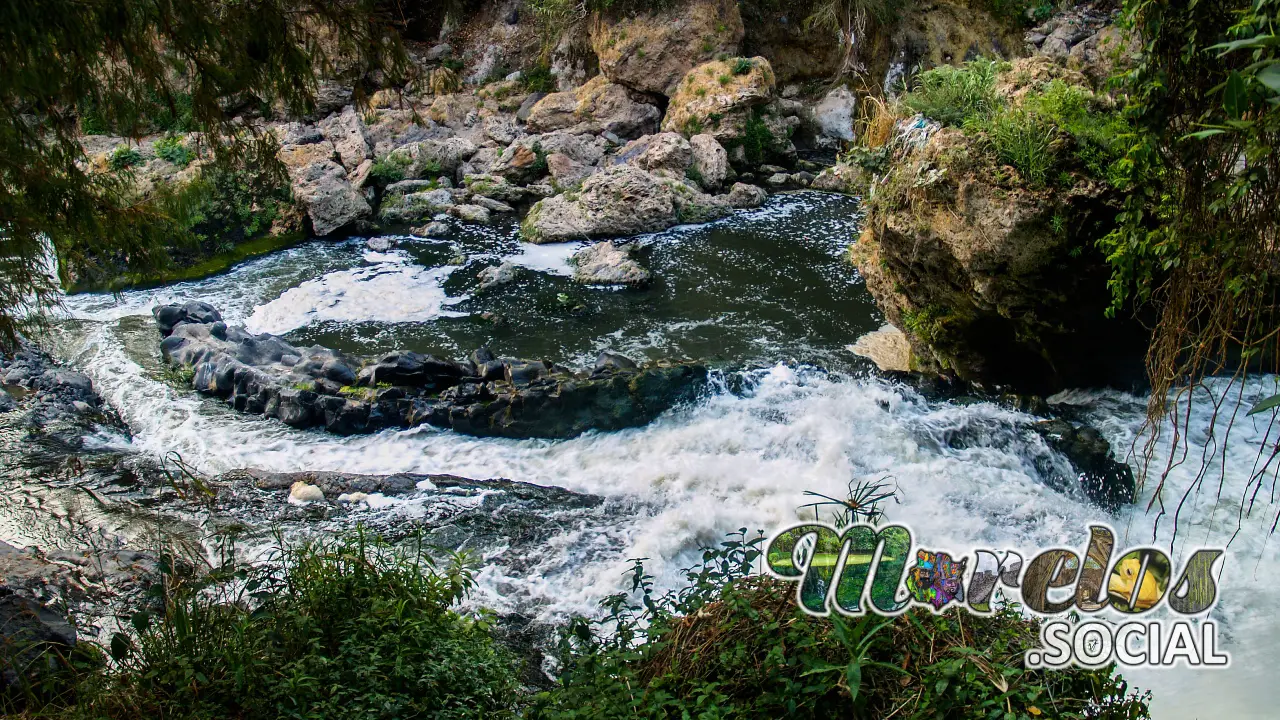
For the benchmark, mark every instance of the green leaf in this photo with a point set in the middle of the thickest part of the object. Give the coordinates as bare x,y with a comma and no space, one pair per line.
119,647
1234,95
1265,405
1202,134
1270,76
853,676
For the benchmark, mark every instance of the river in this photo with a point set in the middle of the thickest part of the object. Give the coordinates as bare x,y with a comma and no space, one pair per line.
768,299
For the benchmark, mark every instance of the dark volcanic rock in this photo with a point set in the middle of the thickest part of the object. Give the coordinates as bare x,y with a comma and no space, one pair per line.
1105,480
316,386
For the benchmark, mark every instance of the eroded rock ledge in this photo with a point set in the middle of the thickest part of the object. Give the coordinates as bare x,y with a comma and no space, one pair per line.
346,394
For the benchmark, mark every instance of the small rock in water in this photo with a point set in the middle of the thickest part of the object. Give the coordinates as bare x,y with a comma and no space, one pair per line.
433,229
608,264
613,361
495,275
303,493
742,195
471,213
380,244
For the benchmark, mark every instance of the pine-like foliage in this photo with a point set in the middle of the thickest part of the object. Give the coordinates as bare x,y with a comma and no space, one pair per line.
120,60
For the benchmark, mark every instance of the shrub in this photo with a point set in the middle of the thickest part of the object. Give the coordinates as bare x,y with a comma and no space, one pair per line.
230,205
388,169
952,95
731,645
538,79
171,148
124,158
345,629
1021,137
443,80
742,66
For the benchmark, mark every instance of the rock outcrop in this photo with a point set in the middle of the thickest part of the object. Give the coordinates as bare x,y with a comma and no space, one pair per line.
487,396
619,201
321,185
599,106
652,51
995,283
734,101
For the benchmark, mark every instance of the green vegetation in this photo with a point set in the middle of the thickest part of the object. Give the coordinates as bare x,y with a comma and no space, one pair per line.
742,66
346,629
131,68
731,645
356,628
538,79
171,148
123,158
1045,134
389,169
953,94
757,140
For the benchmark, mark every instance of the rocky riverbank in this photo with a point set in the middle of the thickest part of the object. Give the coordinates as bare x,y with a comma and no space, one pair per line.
483,395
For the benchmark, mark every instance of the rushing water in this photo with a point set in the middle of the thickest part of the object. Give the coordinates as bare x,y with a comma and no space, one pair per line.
766,296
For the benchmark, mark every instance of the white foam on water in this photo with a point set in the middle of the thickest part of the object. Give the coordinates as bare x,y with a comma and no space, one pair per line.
552,258
389,287
966,474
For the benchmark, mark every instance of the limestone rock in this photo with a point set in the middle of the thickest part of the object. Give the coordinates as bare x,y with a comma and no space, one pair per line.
346,131
732,100
619,201
496,275
710,161
599,106
471,213
887,347
667,154
835,113
608,264
415,206
742,195
652,51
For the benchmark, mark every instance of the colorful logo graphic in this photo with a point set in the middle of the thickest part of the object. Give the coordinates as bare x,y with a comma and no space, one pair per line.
864,568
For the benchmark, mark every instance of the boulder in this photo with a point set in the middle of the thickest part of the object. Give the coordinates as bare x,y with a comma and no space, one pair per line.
597,106
471,213
710,161
619,201
496,275
742,195
321,187
651,51
494,187
346,132
992,282
566,171
667,154
605,263
432,158
835,113
415,206
887,347
733,101
1106,481
525,160
842,178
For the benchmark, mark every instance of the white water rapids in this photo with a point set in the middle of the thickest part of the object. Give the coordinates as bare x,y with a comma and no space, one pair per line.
967,474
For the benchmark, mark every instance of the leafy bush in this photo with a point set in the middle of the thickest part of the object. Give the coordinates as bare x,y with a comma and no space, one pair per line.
388,169
742,66
538,79
952,95
229,205
345,629
731,645
124,158
171,148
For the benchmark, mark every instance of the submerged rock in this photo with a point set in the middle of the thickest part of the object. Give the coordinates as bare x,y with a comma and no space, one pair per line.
1105,480
318,387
